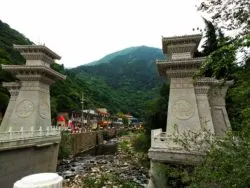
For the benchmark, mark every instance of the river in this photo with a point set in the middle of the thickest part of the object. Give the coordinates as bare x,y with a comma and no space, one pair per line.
106,160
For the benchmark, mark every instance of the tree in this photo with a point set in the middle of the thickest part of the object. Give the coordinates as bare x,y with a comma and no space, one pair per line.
3,102
156,110
232,168
125,120
228,14
211,43
213,35
227,164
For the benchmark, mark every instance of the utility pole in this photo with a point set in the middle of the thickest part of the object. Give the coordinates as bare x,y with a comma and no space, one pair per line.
82,102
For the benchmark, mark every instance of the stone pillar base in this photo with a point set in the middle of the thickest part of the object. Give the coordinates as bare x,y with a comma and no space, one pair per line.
28,158
175,156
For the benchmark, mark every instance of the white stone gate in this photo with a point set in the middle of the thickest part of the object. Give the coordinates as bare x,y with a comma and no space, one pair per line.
194,105
28,142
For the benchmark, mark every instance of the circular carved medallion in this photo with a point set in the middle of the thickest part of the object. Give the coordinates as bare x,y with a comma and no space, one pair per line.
182,109
44,110
24,108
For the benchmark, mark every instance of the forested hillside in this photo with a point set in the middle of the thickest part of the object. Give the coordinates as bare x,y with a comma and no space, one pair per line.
131,74
109,57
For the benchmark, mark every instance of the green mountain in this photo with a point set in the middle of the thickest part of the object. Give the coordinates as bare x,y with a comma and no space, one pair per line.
109,57
130,73
121,82
136,68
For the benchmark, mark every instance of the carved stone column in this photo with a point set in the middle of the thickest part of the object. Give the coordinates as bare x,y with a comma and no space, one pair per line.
32,104
218,107
180,67
182,108
201,91
13,88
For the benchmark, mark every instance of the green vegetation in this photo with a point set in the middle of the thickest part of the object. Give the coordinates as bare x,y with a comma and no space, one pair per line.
109,57
226,165
155,116
125,146
113,179
65,145
141,142
134,145
172,175
122,132
129,76
105,135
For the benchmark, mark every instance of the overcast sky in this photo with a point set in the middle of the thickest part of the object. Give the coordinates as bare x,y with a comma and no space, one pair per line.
82,31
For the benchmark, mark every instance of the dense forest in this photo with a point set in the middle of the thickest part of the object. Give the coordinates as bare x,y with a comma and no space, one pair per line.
131,74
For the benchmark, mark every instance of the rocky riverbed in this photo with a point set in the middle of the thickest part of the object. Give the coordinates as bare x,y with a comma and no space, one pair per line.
114,164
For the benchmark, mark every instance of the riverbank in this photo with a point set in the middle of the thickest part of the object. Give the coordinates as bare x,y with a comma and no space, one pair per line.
114,164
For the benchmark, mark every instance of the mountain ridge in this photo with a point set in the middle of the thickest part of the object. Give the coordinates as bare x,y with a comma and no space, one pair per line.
132,76
108,57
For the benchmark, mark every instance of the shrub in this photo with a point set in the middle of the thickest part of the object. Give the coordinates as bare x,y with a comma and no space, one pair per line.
141,143
171,175
105,135
65,145
122,132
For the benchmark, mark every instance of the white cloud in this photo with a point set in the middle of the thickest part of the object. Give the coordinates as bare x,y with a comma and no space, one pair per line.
82,31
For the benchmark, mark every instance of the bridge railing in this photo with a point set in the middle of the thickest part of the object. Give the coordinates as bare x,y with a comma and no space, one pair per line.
11,135
188,141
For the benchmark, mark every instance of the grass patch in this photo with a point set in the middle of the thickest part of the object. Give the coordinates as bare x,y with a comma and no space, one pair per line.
108,180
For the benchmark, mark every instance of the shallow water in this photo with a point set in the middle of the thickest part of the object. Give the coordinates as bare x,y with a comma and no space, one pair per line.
103,158
83,161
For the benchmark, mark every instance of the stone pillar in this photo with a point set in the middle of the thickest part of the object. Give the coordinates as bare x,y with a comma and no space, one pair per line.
28,142
217,102
204,109
13,88
188,107
194,107
182,108
30,107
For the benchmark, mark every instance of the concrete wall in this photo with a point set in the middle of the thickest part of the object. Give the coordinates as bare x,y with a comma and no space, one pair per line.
111,132
84,141
17,163
22,158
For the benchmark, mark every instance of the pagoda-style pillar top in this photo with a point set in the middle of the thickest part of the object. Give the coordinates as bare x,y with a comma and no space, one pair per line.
36,55
29,107
37,68
180,47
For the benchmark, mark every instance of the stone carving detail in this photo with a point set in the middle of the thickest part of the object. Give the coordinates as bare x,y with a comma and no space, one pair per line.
181,85
183,55
44,110
218,92
24,108
182,109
